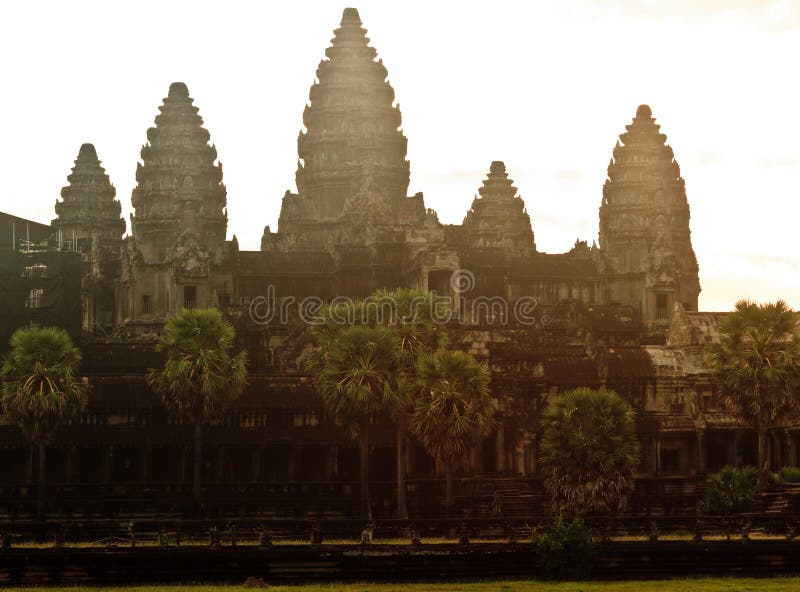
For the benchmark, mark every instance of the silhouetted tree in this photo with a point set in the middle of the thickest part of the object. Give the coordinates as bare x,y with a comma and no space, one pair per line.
589,451
41,390
201,376
454,409
757,363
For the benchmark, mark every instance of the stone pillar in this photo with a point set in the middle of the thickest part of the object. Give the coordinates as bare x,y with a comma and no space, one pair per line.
500,452
255,466
69,460
108,470
221,464
332,468
294,454
791,450
144,473
657,449
182,465
29,465
701,452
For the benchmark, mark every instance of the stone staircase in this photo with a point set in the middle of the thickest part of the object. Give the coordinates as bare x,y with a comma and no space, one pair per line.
519,499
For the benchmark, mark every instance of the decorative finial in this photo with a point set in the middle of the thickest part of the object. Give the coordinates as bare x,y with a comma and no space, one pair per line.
497,167
644,112
87,152
350,16
178,90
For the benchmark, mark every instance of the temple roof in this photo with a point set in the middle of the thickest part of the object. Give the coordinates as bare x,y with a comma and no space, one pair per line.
498,218
352,141
179,183
89,203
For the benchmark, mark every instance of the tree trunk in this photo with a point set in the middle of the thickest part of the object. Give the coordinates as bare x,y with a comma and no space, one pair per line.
198,457
402,510
366,507
42,477
450,493
762,459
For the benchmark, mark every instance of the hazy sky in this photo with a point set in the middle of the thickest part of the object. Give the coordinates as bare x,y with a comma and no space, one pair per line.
545,86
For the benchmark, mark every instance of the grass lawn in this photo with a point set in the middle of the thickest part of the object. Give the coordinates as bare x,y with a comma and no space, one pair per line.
688,585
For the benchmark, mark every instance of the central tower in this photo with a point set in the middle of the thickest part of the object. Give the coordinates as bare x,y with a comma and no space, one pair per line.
352,142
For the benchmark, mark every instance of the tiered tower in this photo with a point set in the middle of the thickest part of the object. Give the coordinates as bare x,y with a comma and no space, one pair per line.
88,220
498,218
644,224
180,219
352,142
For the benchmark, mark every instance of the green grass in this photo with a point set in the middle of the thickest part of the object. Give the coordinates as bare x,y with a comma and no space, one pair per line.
686,585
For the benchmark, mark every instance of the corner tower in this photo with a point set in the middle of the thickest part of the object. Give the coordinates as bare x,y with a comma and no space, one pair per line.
180,218
352,142
644,225
88,220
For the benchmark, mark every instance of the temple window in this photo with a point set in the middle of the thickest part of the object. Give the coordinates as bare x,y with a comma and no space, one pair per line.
662,307
34,299
190,297
670,460
146,304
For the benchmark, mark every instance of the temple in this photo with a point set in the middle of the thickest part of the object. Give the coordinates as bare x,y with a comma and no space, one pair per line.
620,312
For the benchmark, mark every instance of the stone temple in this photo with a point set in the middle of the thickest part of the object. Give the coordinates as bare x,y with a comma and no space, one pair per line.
622,312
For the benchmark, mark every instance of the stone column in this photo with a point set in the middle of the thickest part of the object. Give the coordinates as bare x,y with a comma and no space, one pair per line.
294,454
500,452
221,464
182,465
69,460
144,473
701,452
108,470
791,449
255,467
657,449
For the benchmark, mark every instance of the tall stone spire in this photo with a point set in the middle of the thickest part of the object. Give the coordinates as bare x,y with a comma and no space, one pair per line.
88,220
498,218
180,218
179,186
352,139
88,203
644,224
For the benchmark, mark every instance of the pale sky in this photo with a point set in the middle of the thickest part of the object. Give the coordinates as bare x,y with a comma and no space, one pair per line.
545,86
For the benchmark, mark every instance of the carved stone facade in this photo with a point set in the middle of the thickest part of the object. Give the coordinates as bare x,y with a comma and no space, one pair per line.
604,314
644,225
88,221
174,258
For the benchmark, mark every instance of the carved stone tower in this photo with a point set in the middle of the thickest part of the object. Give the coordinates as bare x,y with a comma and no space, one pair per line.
180,219
88,220
352,143
644,225
498,218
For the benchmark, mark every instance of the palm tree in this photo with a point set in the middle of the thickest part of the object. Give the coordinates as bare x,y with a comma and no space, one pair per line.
414,317
200,377
41,390
757,363
454,409
354,369
589,451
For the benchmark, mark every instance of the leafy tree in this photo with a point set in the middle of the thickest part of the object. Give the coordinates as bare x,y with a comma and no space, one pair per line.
413,316
565,550
454,409
589,451
730,491
757,363
201,376
41,390
354,369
